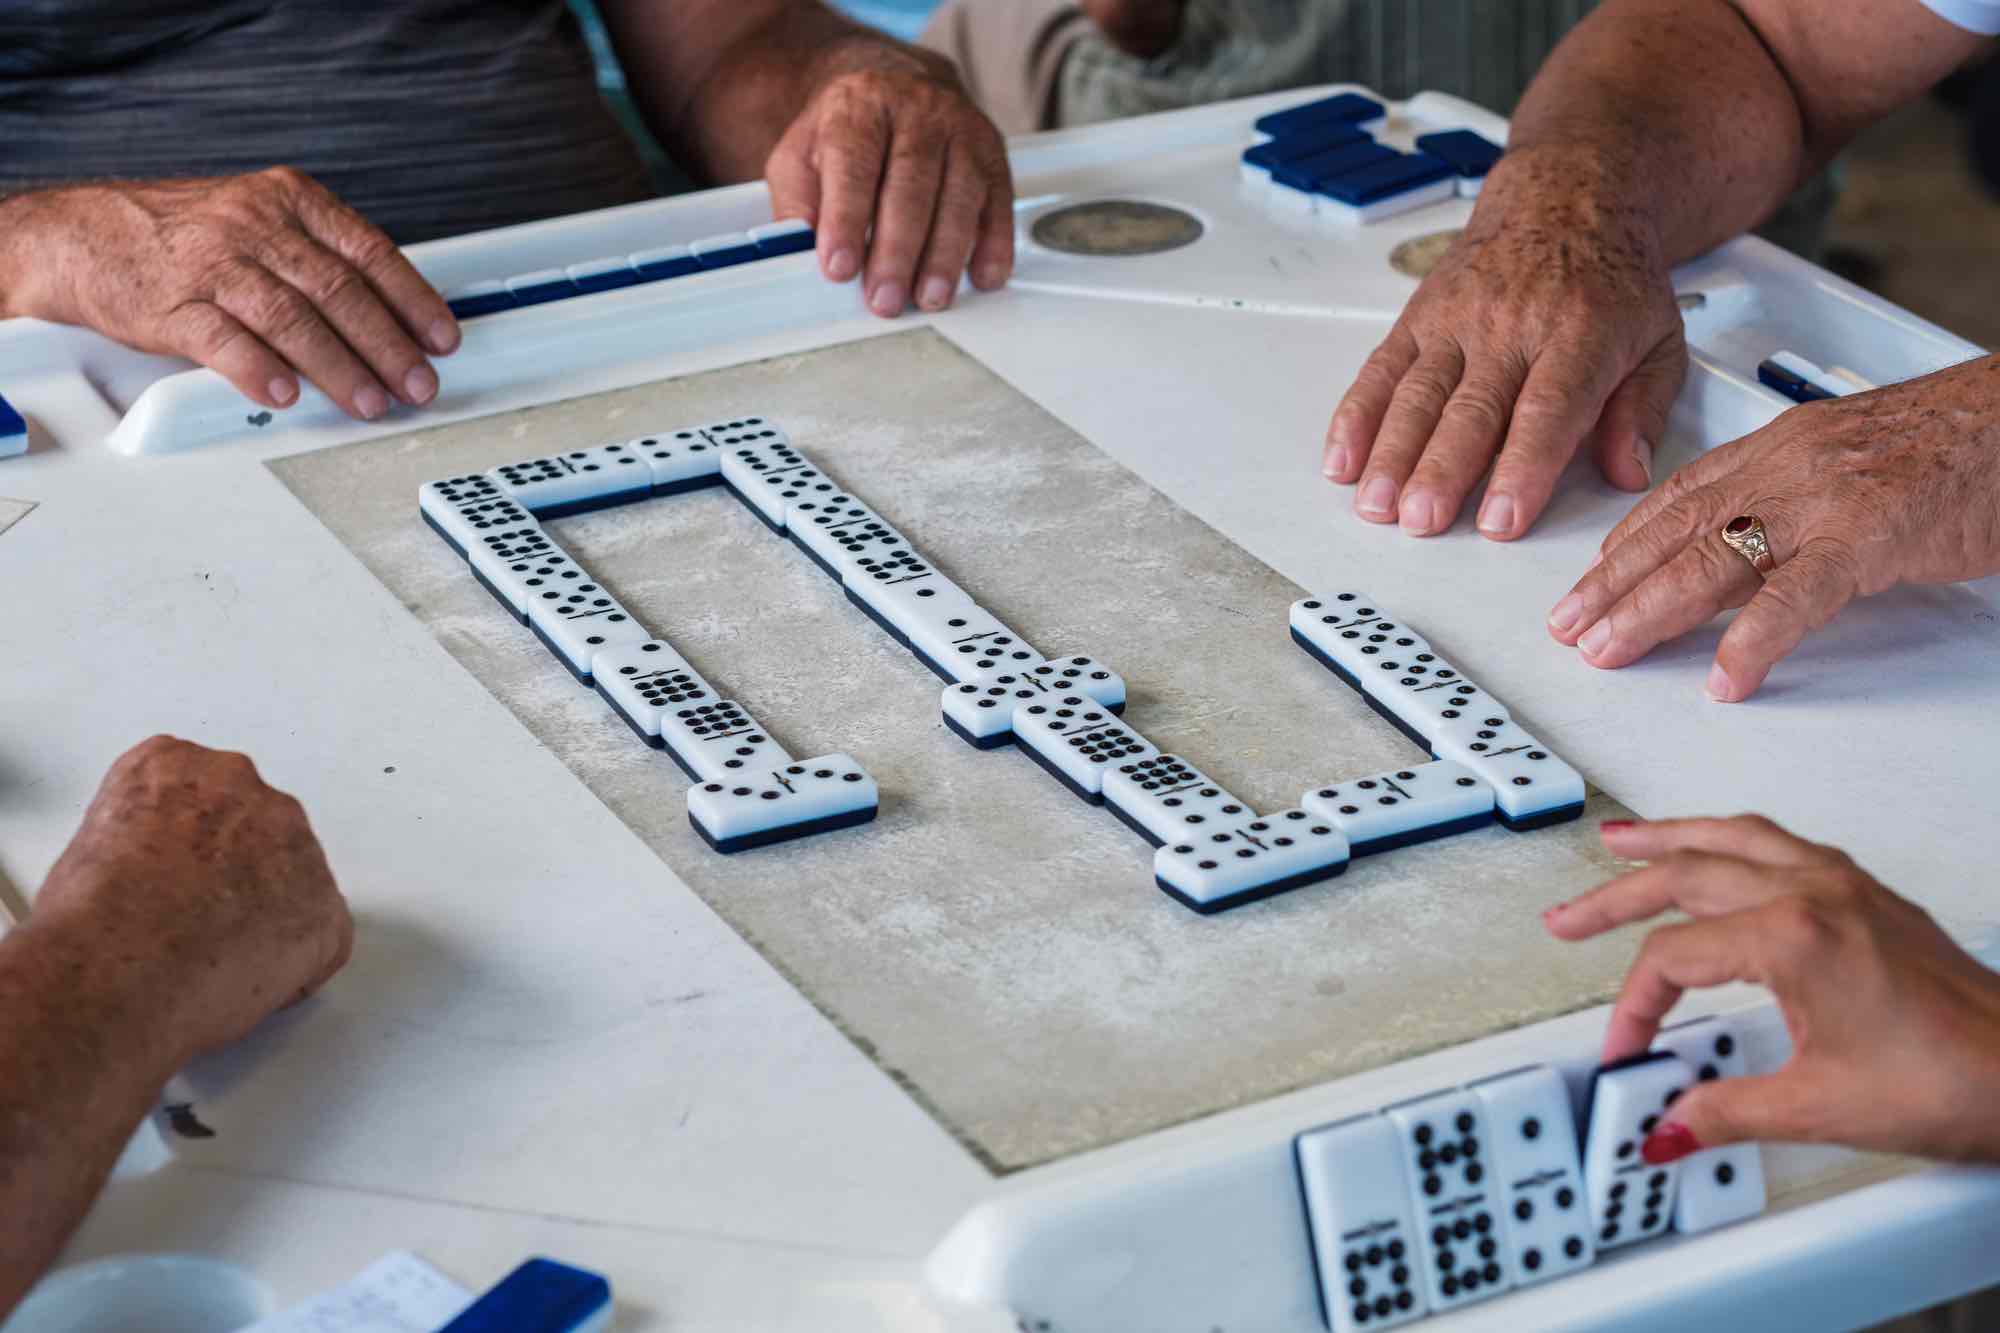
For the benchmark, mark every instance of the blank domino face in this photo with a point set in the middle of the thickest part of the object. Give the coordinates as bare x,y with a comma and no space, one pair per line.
1078,740
1405,806
573,482
1630,1200
981,709
1531,787
464,509
580,621
1363,1239
646,682
1167,799
1537,1177
1256,859
1446,1159
810,796
717,740
1718,1185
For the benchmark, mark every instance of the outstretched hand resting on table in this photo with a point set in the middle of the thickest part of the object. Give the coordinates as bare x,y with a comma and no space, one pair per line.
1895,1029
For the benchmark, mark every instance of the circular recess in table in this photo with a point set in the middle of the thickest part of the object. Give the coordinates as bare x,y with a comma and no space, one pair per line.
1420,254
1116,227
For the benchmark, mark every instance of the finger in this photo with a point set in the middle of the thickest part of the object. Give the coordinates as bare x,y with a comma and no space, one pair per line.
909,201
1624,566
1788,1106
206,333
1705,579
795,188
1468,435
1634,420
993,255
1351,432
1673,960
1748,837
1800,596
954,231
1702,884
412,301
1558,407
283,317
849,151
349,302
1407,426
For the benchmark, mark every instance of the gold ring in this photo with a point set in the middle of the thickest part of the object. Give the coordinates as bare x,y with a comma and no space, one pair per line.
1745,535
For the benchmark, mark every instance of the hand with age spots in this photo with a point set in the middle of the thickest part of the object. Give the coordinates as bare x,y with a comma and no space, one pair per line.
1857,495
1895,1029
1549,324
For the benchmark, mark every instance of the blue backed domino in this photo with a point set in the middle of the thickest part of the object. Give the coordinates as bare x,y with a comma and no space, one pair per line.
579,621
1404,807
463,509
13,431
662,262
520,564
1443,1143
1339,109
1537,1176
980,710
1259,160
1078,740
789,237
1469,155
1249,861
480,298
1378,190
725,250
1718,1185
1364,1238
1163,798
541,1296
646,682
603,275
577,481
682,460
546,284
1630,1198
718,741
1531,787
1298,184
794,801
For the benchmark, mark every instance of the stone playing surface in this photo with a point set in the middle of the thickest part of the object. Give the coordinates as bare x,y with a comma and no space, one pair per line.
994,944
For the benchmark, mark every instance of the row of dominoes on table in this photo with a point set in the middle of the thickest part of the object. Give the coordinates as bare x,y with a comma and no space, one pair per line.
1453,1197
611,272
1322,158
1213,850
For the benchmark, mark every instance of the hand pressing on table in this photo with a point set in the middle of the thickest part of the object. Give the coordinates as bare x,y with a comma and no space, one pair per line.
1856,495
1895,1029
265,278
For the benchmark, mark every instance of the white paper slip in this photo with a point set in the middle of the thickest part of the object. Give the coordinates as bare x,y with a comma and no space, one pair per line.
398,1293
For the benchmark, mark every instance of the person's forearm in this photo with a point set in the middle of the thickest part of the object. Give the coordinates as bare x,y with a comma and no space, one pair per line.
81,1061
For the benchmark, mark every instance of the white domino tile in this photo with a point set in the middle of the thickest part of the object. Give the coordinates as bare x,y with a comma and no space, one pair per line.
716,740
834,528
981,708
809,796
1350,215
576,480
1446,1152
464,509
680,460
1251,860
1422,692
1536,1175
1350,632
773,479
962,642
1167,799
1078,740
1364,1238
1718,1185
647,681
1403,806
520,564
1531,786
1630,1199
579,621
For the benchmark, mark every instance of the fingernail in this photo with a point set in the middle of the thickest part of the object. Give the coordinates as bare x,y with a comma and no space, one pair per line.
1595,639
1565,615
444,336
990,276
370,401
421,384
1720,687
1336,463
1642,454
1496,516
1419,514
1615,825
1669,1143
1377,497
841,265
283,391
936,294
888,300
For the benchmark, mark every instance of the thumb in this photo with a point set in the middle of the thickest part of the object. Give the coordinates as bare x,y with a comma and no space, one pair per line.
1635,416
1762,1107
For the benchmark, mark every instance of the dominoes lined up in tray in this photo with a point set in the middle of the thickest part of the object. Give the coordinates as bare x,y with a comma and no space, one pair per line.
1460,1195
611,272
1323,159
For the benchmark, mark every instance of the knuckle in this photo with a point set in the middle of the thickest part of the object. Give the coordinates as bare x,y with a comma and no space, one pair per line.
1795,929
288,178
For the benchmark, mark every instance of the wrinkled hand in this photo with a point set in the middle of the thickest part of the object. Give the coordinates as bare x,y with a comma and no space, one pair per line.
1142,28
1895,1029
889,139
206,886
263,278
1549,323
1857,494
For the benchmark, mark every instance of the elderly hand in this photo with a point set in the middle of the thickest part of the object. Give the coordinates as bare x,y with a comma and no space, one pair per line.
1895,1029
262,278
1549,323
1856,494
205,887
889,139
1142,28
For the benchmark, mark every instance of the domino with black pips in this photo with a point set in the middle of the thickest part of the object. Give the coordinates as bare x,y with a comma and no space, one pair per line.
765,471
1078,740
1364,1236
718,741
1420,692
1164,798
1345,632
1254,860
680,461
832,528
1404,806
1630,1198
1537,1178
794,801
577,481
1718,1185
518,566
1444,1146
1532,788
645,682
463,509
949,632
980,710
578,622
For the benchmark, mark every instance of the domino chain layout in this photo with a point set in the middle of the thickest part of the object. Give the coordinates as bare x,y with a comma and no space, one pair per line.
1064,712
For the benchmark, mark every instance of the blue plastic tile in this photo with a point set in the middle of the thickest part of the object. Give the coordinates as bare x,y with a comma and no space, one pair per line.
1349,108
541,1296
672,262
1309,173
727,256
603,276
778,240
538,293
1466,153
1379,180
12,424
472,305
1795,387
1280,152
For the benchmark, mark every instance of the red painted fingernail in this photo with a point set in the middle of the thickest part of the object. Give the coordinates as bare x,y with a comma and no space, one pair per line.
1615,825
1669,1143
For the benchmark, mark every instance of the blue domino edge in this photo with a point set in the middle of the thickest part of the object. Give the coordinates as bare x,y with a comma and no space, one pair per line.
541,1296
609,274
1348,108
1316,172
1795,387
1468,154
1275,153
12,423
1379,180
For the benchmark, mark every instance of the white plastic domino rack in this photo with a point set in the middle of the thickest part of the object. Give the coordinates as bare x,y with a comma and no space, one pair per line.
1213,851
